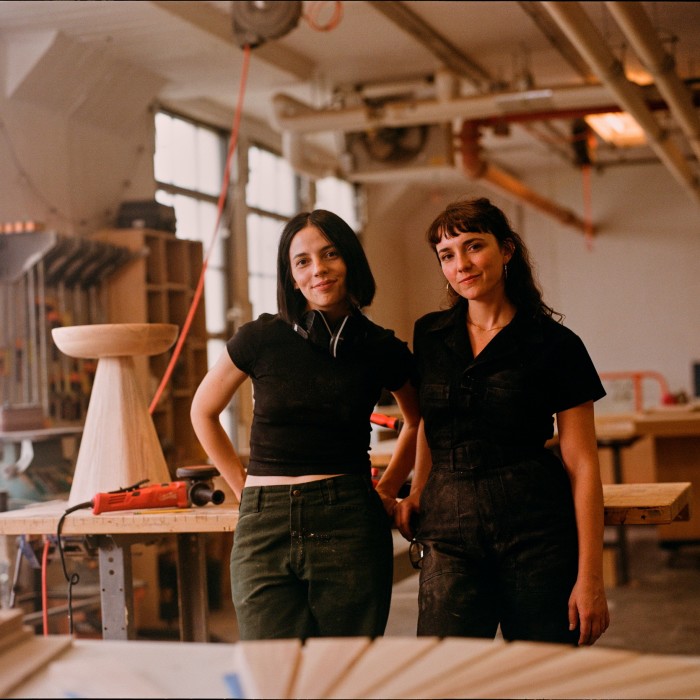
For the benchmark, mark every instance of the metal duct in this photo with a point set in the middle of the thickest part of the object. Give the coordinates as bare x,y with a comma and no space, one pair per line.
645,41
305,159
574,21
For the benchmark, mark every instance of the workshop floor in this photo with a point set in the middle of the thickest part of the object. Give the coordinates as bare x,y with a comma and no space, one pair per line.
658,611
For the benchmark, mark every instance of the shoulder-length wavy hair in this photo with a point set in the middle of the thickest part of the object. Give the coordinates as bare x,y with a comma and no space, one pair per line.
480,215
360,281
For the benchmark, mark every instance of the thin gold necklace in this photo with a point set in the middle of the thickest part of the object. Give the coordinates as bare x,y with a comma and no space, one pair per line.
481,328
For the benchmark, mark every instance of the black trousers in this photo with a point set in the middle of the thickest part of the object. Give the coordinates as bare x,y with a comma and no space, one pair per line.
499,547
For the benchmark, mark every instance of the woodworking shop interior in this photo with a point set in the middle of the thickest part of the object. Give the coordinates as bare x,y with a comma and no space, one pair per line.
152,151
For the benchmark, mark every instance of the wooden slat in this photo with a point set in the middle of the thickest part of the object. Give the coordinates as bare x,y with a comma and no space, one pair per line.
445,658
647,504
641,672
528,681
319,668
267,667
386,658
473,679
20,662
10,621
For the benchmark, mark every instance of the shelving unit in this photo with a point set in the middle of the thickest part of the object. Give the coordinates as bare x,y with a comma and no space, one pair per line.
158,287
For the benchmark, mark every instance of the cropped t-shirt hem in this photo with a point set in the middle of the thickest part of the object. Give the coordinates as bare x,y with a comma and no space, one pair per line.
263,469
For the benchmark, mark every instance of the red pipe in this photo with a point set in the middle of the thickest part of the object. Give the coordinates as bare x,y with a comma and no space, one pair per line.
477,168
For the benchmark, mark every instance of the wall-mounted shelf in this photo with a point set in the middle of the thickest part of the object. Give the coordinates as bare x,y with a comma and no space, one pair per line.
158,286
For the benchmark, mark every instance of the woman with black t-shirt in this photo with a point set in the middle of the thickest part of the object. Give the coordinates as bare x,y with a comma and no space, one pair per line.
312,553
510,534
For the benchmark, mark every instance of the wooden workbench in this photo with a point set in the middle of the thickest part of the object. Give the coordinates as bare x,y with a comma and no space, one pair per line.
674,435
114,533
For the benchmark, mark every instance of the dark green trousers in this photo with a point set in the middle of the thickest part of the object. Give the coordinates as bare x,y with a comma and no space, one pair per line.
312,560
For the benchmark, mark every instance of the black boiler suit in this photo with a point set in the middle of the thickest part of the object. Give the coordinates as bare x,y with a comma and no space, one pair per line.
497,516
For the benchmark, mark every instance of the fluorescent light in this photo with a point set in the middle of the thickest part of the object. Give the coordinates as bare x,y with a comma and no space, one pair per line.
617,128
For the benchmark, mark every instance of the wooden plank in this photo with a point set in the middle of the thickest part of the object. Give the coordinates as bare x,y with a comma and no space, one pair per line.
633,678
91,669
473,679
668,423
685,684
10,621
386,658
529,680
267,667
42,519
16,637
324,661
21,661
646,504
440,660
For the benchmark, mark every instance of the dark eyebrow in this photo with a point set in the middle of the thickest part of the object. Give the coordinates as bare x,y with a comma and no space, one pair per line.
467,241
323,250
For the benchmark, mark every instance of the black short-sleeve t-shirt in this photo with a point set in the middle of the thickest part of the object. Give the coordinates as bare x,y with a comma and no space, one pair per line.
311,410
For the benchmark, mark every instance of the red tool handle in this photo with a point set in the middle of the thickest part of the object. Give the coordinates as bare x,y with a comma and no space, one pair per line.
172,495
386,421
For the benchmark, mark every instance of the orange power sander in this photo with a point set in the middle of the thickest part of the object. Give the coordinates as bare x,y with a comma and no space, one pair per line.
194,487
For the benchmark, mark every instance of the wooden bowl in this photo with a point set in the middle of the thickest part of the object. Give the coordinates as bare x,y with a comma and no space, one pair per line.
115,339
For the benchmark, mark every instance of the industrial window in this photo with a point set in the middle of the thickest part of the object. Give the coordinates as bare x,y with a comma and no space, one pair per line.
340,197
189,167
273,195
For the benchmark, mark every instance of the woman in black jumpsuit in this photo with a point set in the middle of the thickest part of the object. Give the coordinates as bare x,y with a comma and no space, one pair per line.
511,534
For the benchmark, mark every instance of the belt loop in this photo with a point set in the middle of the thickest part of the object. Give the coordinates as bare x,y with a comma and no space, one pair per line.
258,498
329,491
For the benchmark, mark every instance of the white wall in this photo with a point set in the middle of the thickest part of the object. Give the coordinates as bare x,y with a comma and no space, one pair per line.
74,143
633,296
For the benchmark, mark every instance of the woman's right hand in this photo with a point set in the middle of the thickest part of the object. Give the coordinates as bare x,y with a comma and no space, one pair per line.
389,502
405,515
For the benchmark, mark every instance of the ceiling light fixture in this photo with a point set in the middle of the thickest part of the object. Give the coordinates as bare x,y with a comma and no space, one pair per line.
617,128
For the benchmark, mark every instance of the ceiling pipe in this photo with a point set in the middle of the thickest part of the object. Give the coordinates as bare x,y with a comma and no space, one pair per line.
645,41
478,169
293,115
558,40
574,21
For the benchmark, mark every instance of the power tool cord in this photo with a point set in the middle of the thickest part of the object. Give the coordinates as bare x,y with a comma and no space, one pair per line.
73,578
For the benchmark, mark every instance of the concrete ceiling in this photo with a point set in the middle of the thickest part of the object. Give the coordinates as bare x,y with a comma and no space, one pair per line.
193,61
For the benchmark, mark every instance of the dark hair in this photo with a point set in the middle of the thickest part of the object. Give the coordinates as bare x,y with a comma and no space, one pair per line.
360,281
480,215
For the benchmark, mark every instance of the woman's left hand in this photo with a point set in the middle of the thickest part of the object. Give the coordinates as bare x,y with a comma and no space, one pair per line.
588,609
